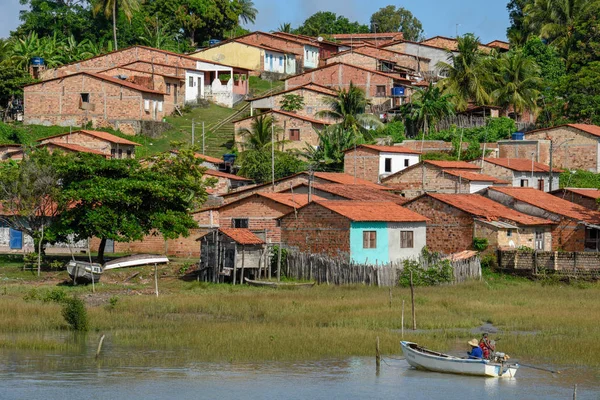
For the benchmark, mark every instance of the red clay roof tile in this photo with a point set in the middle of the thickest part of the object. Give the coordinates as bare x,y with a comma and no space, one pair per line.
98,134
521,164
241,236
294,200
219,174
372,211
387,149
347,179
452,164
474,176
359,192
592,193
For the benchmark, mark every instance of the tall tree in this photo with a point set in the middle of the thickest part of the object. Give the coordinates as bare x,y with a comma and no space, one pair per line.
467,74
125,201
428,106
247,11
261,135
111,8
517,32
392,19
518,82
285,27
329,23
329,154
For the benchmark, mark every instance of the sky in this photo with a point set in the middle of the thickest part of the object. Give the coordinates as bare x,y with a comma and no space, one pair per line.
488,19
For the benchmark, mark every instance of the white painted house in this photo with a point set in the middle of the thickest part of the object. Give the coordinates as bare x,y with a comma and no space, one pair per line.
374,162
205,82
522,172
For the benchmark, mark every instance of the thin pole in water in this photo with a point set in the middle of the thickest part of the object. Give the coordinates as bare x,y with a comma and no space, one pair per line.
156,279
99,349
377,354
402,319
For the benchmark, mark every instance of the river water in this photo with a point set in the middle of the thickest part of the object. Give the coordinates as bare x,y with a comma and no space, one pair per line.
175,375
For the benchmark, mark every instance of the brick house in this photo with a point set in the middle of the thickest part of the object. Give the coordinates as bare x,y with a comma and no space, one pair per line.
82,98
586,197
365,232
68,148
378,38
457,219
336,191
439,177
379,87
422,51
499,45
297,130
375,163
383,60
577,228
451,44
258,213
226,182
7,151
103,142
538,149
315,99
521,172
439,146
291,181
575,146
326,47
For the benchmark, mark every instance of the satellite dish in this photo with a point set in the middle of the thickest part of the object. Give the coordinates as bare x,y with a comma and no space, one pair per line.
320,39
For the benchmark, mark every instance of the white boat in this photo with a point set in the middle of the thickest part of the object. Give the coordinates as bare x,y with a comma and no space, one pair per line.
84,272
424,359
135,261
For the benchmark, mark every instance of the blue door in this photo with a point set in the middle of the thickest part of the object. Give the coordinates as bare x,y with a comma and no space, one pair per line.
15,239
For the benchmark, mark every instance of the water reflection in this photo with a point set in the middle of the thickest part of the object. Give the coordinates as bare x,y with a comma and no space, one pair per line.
128,374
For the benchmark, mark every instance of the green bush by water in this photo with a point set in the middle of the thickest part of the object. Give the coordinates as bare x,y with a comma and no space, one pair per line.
75,314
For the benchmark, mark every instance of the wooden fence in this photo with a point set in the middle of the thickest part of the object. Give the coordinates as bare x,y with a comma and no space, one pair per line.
342,271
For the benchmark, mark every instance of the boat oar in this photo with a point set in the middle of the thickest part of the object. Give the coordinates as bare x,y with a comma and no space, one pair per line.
539,368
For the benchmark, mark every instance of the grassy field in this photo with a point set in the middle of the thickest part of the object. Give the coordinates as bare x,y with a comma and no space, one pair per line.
553,324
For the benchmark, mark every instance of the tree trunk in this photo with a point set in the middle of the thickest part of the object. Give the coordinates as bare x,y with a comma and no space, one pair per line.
40,243
101,247
114,18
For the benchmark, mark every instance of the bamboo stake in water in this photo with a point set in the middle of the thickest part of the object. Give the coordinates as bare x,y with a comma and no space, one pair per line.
377,354
99,346
575,392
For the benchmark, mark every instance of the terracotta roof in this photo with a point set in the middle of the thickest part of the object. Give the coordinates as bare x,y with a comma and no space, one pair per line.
550,203
212,160
126,67
359,192
241,236
294,200
407,81
521,164
386,149
452,164
500,44
592,193
102,77
219,174
372,211
288,114
395,35
474,176
347,179
74,147
487,209
380,53
98,134
309,86
593,130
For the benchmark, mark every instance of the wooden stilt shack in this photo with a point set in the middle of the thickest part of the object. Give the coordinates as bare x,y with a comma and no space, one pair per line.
230,255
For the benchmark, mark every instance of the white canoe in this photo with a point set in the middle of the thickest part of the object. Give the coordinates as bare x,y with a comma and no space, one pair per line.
422,358
135,261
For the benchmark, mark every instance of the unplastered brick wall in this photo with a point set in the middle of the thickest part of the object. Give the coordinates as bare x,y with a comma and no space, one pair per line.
573,149
524,149
279,186
93,143
316,229
450,229
583,262
313,103
363,163
584,201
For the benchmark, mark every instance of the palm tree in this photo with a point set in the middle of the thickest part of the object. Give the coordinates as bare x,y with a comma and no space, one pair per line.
518,82
329,154
467,73
259,136
428,107
348,108
111,9
247,11
285,27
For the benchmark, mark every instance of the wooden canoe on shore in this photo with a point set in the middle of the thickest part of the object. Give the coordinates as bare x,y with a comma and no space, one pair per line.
279,284
135,261
424,359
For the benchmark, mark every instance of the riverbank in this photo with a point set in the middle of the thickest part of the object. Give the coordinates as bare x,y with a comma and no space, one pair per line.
542,322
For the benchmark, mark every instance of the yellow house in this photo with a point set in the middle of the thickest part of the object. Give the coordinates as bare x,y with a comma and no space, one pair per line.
255,57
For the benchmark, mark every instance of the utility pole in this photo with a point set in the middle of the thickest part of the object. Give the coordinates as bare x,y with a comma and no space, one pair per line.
273,152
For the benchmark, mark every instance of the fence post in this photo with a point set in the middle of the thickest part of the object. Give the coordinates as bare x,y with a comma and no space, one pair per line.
412,299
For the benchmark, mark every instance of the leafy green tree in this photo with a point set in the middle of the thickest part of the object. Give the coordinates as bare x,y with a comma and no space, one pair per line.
247,11
329,154
12,80
518,82
262,134
467,74
518,32
348,108
292,102
428,107
124,201
285,27
580,100
328,23
392,19
110,8
257,165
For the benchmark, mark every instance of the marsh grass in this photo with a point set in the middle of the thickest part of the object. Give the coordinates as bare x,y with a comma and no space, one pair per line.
554,325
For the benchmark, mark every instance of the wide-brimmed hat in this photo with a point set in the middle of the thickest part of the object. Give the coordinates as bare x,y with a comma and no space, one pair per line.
473,342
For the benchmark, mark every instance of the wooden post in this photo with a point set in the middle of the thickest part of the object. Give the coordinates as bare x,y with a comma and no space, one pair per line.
156,279
279,262
235,263
402,319
243,254
412,299
91,266
575,392
377,354
99,349
390,297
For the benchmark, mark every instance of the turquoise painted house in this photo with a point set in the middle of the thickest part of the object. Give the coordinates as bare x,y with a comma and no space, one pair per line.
366,232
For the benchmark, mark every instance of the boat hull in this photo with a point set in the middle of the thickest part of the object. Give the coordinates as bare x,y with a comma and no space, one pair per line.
278,284
135,261
438,362
84,272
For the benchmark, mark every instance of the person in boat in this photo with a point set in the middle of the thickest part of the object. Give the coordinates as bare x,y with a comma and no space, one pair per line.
476,351
486,346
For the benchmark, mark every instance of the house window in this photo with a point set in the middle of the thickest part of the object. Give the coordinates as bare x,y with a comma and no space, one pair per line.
294,135
407,239
524,183
85,97
168,88
191,81
281,61
592,239
406,162
539,240
160,106
309,110
380,91
509,233
388,165
240,223
120,153
128,153
541,184
369,240
147,105
113,152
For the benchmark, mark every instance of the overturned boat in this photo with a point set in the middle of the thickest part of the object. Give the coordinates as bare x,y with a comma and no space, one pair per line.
84,272
135,261
422,358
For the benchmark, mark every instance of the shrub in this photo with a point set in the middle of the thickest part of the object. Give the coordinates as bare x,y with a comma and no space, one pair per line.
112,303
489,262
30,259
55,295
75,314
480,244
284,254
292,102
184,268
439,271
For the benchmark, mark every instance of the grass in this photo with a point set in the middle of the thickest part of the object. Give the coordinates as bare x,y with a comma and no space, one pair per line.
550,324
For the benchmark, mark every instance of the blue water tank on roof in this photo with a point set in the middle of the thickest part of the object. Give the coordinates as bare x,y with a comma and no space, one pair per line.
518,136
398,91
229,158
212,42
37,61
